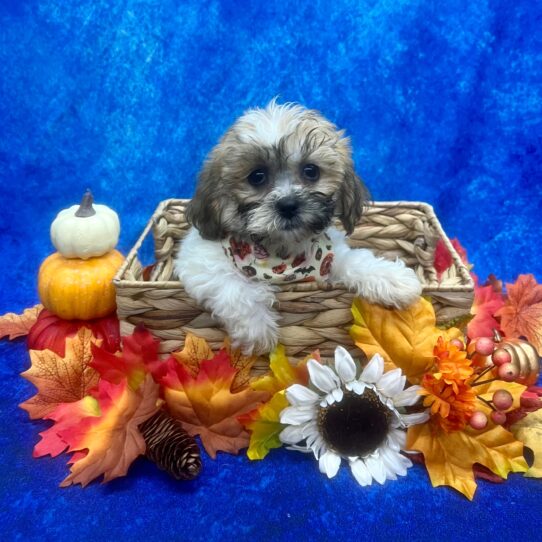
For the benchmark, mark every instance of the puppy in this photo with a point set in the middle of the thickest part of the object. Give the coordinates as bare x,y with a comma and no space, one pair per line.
262,215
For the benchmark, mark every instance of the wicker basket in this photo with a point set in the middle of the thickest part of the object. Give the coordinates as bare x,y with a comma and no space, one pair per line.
311,317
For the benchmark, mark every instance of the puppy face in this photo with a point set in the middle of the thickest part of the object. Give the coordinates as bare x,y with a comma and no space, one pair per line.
281,173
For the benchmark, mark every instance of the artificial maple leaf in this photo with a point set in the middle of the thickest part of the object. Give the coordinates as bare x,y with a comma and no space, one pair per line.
50,332
480,472
264,426
138,357
522,314
196,350
449,457
206,405
404,338
282,372
17,325
443,260
105,426
486,304
529,431
241,363
61,379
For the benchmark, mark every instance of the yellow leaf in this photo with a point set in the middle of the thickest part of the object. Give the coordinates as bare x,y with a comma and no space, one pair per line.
404,338
283,373
486,391
529,431
265,426
17,325
449,457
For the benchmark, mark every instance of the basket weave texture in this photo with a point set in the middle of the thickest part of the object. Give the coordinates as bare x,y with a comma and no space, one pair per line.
312,317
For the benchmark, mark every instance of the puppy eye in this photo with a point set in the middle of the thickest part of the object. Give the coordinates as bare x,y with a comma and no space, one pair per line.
311,172
257,177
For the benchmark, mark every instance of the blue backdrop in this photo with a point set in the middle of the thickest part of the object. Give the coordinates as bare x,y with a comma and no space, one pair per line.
443,101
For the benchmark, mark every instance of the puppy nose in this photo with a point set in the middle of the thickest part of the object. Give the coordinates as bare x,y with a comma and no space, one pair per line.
287,206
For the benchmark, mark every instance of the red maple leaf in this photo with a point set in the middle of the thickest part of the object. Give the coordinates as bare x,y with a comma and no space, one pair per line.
138,356
443,260
486,304
50,332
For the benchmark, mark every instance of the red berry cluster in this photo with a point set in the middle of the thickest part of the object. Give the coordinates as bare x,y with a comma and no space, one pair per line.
501,360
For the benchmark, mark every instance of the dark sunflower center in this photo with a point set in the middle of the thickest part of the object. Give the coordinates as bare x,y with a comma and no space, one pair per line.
357,425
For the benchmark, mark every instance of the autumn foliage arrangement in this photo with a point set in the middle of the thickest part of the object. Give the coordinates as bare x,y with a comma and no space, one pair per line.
461,400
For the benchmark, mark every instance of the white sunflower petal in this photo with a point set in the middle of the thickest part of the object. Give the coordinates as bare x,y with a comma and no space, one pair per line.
396,439
391,383
395,463
292,434
358,387
376,468
322,377
373,370
329,463
338,394
297,415
361,472
303,449
299,395
344,365
417,417
407,397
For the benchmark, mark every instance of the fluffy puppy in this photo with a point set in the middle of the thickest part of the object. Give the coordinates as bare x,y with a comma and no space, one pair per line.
262,215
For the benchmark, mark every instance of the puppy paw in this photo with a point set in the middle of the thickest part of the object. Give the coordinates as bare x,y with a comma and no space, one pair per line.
395,286
255,333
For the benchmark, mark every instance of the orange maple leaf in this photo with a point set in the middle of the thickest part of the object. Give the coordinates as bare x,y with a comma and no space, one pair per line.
522,314
61,379
206,404
17,325
197,349
102,430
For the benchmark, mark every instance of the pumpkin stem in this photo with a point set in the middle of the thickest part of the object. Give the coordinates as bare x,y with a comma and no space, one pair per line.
86,209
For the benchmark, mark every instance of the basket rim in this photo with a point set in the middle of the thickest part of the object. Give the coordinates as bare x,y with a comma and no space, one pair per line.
466,286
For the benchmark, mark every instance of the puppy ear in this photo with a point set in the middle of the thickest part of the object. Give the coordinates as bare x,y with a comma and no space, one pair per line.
353,195
204,211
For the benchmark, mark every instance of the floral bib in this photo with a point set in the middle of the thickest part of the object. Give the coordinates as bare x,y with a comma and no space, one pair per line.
307,262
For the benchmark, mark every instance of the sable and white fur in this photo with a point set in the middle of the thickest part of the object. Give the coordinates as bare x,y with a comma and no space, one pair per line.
279,140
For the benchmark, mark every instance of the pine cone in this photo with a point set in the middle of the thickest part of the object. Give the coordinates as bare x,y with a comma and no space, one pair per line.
170,447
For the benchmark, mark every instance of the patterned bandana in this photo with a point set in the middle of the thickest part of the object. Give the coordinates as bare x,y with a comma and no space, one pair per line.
307,262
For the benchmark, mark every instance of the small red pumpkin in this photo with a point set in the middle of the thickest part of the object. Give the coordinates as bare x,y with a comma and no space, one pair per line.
50,332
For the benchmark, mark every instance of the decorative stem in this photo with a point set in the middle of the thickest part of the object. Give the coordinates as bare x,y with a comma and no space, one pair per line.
86,209
483,382
485,371
488,403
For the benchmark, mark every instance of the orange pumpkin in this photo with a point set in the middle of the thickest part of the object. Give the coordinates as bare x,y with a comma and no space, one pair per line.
76,289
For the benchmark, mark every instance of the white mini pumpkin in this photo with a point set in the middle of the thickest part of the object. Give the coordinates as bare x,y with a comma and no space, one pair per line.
85,231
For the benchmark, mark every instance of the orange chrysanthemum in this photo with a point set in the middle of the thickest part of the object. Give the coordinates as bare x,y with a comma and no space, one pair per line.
447,390
453,366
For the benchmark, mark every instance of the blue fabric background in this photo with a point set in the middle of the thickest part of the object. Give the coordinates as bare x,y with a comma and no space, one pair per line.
443,102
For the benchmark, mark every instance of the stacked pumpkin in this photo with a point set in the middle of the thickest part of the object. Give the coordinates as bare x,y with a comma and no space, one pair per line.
75,283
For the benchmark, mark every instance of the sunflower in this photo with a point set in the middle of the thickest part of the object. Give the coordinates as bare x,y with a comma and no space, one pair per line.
353,415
